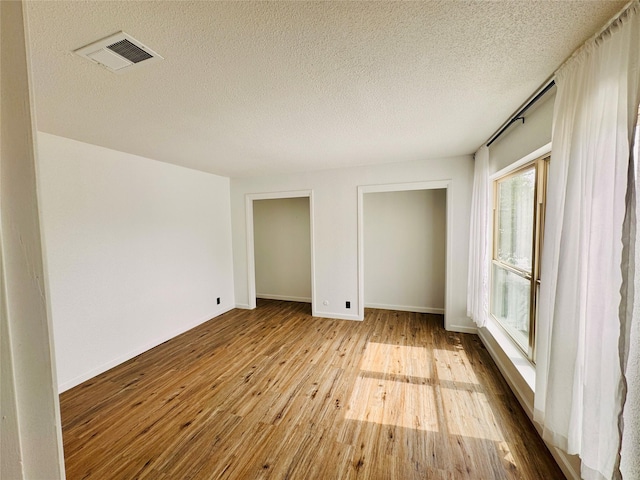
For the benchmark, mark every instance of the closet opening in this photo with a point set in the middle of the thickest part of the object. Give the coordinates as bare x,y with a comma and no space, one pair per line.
280,247
403,247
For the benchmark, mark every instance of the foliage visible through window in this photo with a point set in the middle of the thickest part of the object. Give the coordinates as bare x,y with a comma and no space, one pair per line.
518,224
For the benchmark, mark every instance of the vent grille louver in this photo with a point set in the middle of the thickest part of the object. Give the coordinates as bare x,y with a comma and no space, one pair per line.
119,53
128,50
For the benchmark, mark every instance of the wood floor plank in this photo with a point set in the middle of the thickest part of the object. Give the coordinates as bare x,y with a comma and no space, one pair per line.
275,393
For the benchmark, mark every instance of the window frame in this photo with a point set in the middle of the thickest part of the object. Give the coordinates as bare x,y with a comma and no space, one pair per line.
541,168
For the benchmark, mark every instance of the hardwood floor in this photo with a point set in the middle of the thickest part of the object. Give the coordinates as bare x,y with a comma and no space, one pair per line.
276,393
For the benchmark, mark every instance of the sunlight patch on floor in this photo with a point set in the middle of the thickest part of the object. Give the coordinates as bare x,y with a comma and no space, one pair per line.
391,402
396,359
411,387
454,366
467,409
469,414
393,388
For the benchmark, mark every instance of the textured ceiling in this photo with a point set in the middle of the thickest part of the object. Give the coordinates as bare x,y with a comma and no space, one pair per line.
249,88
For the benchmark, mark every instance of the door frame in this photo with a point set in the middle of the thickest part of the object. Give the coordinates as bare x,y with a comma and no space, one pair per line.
251,261
404,187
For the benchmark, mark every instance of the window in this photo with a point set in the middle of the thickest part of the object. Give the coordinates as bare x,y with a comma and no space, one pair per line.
518,217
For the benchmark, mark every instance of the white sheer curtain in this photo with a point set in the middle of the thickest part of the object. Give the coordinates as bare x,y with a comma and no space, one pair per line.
479,250
579,389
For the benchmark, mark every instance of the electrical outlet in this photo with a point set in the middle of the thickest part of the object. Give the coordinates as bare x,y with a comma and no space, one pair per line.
218,300
348,304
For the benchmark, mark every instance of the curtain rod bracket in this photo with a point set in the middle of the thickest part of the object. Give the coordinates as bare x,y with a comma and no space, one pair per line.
520,114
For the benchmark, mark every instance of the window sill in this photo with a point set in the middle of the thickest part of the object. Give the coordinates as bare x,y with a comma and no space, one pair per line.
515,367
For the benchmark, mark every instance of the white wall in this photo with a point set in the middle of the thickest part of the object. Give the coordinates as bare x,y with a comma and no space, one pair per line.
404,250
630,447
282,249
335,200
137,252
30,431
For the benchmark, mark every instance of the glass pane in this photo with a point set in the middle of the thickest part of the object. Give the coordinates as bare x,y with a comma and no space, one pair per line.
510,296
515,219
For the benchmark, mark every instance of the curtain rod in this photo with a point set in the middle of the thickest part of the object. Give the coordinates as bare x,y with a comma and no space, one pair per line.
605,28
518,116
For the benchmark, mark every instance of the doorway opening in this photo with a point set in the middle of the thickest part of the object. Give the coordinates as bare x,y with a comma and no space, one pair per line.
404,247
404,250
280,247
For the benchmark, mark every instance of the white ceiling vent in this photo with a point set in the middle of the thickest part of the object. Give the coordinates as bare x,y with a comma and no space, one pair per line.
119,53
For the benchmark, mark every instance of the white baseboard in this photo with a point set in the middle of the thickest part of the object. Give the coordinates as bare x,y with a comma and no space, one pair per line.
405,308
334,316
338,316
570,469
286,298
462,329
62,387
